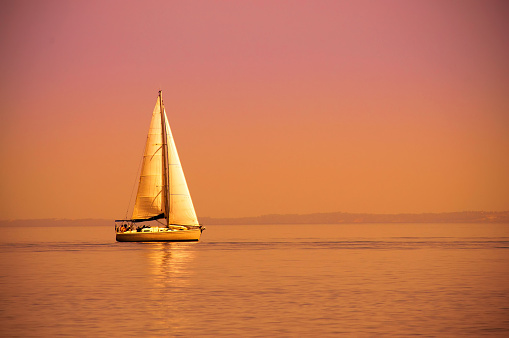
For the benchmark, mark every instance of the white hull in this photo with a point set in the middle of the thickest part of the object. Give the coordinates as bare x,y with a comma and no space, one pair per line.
188,235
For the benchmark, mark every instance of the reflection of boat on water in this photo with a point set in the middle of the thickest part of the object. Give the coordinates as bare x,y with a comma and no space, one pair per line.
170,294
169,262
163,211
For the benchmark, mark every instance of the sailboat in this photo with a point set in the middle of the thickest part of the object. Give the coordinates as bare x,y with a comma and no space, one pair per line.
163,210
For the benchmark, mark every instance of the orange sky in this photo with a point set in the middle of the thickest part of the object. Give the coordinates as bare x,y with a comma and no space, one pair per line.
275,106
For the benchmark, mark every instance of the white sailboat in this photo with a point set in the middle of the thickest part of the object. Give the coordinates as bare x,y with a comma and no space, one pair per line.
163,211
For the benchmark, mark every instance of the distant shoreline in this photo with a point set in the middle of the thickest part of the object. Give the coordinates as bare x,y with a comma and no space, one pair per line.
341,217
316,218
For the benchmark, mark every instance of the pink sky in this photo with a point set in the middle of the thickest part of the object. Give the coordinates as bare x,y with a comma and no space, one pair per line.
275,106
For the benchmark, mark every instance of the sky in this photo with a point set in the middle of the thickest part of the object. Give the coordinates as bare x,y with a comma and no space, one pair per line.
276,107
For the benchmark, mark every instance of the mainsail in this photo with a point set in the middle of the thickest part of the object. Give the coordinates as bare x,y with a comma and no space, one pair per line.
149,201
162,178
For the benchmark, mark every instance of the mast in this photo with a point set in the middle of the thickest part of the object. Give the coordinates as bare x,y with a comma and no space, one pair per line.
164,150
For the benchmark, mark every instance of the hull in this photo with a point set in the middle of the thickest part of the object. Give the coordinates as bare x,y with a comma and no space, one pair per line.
190,235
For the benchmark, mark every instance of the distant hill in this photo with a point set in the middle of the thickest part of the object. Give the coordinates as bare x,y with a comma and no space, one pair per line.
318,218
56,222
341,217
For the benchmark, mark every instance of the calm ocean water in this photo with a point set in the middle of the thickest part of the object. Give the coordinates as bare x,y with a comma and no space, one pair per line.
271,280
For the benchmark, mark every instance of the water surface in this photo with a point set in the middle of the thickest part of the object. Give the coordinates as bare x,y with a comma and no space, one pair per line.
271,280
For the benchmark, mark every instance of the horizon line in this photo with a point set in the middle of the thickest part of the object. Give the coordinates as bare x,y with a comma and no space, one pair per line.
273,214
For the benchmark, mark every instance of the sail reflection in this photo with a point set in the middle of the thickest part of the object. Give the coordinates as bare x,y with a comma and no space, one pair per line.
170,264
172,269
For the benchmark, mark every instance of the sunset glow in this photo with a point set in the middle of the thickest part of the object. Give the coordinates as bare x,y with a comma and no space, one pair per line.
275,107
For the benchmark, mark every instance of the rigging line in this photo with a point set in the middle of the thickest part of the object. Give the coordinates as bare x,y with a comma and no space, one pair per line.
134,184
